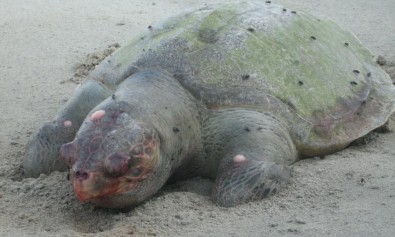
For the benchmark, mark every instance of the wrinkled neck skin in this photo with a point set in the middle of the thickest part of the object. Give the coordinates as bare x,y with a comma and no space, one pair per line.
156,100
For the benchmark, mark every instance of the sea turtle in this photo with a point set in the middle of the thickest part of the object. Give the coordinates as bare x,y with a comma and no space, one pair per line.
235,92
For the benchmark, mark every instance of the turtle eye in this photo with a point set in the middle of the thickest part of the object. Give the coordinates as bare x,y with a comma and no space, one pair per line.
117,164
68,153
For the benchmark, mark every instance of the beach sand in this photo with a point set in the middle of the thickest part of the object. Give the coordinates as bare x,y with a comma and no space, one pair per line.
350,193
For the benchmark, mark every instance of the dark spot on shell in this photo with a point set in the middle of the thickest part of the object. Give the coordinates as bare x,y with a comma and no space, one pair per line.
362,180
284,10
247,129
68,176
369,74
250,29
208,35
274,191
259,128
113,96
313,37
150,27
143,50
355,71
142,38
381,60
354,83
245,77
176,130
346,44
294,12
166,107
363,102
300,83
268,1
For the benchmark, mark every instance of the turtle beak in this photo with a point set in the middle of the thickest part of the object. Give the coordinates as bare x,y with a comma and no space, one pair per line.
91,185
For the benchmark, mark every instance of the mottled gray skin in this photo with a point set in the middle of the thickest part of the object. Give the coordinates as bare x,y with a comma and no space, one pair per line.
236,92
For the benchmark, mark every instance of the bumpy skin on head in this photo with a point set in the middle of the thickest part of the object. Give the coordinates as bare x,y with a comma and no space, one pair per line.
129,145
111,154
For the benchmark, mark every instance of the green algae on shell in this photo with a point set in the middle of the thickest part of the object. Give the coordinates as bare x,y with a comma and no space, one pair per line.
312,74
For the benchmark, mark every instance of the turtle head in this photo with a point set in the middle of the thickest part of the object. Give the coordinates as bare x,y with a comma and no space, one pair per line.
114,159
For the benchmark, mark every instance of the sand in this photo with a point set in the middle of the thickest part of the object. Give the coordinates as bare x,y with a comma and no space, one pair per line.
350,193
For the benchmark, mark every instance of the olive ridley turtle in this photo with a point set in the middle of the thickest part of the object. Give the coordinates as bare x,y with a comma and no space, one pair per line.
235,92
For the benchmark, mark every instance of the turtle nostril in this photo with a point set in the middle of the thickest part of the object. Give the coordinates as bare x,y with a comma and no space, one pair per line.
81,175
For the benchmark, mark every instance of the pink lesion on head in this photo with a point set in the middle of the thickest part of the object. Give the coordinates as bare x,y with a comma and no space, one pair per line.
239,158
98,115
67,124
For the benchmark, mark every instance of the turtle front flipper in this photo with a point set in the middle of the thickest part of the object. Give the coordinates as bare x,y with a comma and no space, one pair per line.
42,151
244,178
251,152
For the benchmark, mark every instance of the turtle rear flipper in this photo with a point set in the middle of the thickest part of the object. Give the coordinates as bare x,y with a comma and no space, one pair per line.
251,150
